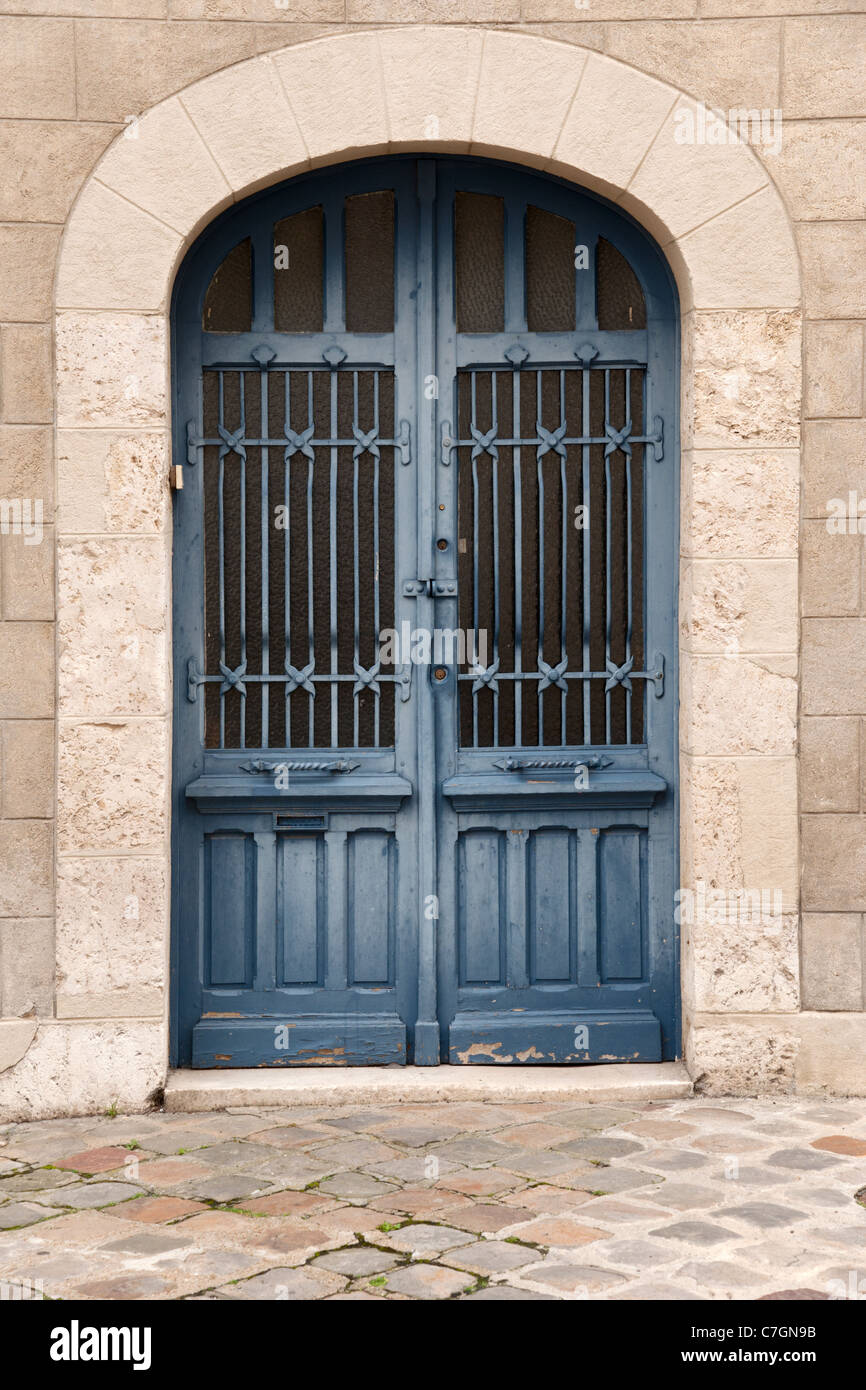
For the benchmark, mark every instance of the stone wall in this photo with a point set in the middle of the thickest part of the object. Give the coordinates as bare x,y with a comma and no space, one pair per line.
73,73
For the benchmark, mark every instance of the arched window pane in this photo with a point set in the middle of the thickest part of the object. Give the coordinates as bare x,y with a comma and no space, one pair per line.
228,304
549,272
619,295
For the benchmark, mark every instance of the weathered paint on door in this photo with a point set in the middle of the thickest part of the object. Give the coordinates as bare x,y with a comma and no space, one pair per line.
424,626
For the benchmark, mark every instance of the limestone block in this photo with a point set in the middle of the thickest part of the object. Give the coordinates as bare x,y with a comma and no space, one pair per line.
834,269
832,961
834,863
27,257
829,764
746,379
726,63
27,966
356,123
830,571
731,606
114,255
112,786
27,466
742,1054
112,627
741,502
833,381
825,65
37,67
820,170
83,1068
614,118
26,670
830,1059
28,769
26,390
743,258
111,931
834,463
111,480
111,369
429,105
738,705
26,853
28,575
16,1035
246,121
43,164
834,665
509,114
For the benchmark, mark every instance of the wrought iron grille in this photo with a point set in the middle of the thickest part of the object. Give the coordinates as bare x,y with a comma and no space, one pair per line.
298,557
550,555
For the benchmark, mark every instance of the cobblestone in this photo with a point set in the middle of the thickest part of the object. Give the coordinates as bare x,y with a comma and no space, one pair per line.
484,1202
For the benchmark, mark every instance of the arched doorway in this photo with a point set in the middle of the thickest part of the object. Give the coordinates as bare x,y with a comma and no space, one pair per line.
424,800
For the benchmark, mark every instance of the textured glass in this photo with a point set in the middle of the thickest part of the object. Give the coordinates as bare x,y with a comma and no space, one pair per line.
228,304
370,262
619,295
550,272
479,263
298,272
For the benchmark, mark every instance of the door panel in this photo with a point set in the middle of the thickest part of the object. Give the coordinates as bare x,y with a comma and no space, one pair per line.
420,396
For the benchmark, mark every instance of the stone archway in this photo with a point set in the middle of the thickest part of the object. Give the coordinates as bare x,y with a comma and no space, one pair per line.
726,234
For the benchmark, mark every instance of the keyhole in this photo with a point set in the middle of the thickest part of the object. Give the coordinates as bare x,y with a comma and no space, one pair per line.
440,673
442,545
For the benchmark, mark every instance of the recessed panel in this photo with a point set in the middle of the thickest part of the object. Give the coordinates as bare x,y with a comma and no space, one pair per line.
371,902
551,903
300,909
622,898
230,908
481,895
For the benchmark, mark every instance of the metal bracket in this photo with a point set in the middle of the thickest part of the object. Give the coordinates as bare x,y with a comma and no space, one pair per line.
658,675
193,443
404,442
194,679
432,588
447,442
404,680
657,440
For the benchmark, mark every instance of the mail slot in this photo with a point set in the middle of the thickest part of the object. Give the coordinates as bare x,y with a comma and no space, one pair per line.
288,820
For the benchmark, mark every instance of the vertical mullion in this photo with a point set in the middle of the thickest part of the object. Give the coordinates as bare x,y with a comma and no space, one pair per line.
518,570
607,539
222,559
265,576
332,517
585,310
515,274
335,293
263,278
587,575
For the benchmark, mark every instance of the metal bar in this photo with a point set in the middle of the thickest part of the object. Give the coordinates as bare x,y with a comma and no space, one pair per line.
376,616
587,547
585,316
243,575
475,545
518,564
607,576
629,558
265,575
494,469
311,635
538,401
287,571
564,559
222,565
356,594
332,515
302,350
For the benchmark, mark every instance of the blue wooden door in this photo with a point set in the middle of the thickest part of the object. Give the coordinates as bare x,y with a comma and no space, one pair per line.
424,802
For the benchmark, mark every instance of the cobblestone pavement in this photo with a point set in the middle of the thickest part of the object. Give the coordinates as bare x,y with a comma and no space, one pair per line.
687,1199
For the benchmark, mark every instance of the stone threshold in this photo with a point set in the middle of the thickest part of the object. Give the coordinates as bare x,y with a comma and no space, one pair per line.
219,1090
